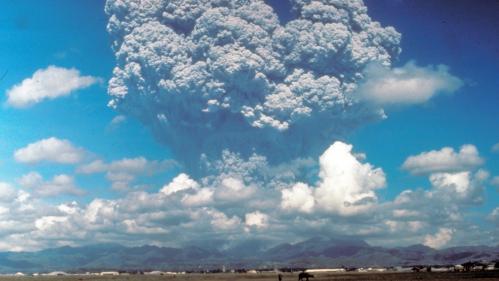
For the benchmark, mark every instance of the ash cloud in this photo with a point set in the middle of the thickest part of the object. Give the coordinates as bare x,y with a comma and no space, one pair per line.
248,104
213,75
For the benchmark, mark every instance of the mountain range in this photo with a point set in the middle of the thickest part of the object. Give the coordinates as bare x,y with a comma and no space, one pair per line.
317,252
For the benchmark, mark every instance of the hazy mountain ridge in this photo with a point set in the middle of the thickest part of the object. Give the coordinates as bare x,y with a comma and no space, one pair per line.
314,252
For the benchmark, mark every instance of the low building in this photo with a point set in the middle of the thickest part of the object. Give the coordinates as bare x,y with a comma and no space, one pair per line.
109,273
155,272
403,269
491,266
56,273
324,270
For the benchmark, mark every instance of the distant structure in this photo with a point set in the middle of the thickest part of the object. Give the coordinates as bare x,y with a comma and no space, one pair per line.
155,272
109,273
322,270
56,273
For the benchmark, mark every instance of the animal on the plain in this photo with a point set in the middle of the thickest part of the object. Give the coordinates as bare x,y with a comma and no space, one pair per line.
304,276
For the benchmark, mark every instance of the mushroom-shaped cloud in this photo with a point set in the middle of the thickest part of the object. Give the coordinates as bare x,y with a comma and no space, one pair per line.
213,75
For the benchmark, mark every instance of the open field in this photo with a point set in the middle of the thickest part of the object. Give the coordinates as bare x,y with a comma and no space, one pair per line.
485,275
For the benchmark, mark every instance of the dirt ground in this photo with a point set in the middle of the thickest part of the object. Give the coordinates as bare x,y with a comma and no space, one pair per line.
486,275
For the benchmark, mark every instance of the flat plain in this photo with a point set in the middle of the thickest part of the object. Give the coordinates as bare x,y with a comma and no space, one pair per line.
443,276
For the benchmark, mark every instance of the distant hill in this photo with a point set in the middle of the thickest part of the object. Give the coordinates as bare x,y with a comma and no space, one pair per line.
314,252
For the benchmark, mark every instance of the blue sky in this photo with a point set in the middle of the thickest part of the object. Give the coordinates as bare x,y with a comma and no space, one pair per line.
36,35
463,36
149,153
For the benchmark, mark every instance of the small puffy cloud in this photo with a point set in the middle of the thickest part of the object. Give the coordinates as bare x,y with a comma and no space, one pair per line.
233,189
97,166
347,186
135,165
202,197
56,227
59,185
405,213
7,192
118,120
439,239
124,171
444,160
68,208
464,186
445,204
133,227
49,83
50,150
449,195
404,226
299,197
459,182
179,183
495,148
256,219
405,85
221,221
101,211
30,179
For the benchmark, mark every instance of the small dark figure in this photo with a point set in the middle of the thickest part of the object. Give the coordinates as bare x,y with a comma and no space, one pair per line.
304,276
279,276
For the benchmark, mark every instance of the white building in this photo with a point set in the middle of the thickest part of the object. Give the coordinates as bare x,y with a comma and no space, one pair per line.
56,273
324,270
155,272
107,273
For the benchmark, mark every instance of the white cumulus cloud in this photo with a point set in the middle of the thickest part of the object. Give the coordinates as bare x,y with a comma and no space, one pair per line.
202,197
50,150
121,173
444,160
347,186
117,121
299,197
439,239
59,185
222,221
256,219
49,83
272,202
464,186
405,85
180,183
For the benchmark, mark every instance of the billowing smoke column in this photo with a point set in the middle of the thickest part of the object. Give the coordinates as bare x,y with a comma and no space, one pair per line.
225,74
